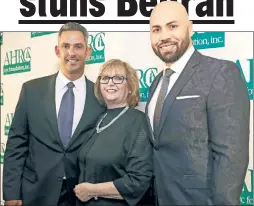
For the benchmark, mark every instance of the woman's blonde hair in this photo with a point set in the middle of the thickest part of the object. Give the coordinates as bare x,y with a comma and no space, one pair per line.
132,80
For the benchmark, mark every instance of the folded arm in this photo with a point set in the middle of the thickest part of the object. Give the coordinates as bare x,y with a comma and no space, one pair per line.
132,186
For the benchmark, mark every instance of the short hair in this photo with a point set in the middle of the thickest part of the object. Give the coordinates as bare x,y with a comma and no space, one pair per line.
73,26
132,81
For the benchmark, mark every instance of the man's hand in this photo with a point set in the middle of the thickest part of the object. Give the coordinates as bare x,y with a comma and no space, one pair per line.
13,203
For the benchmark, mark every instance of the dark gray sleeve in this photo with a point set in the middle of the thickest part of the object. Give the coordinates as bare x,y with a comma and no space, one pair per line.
228,123
133,185
16,151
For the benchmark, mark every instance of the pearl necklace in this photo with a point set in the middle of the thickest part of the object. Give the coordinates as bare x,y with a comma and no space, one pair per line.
98,129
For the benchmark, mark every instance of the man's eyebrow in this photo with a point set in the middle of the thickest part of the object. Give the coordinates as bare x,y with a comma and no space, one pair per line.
66,43
169,23
156,26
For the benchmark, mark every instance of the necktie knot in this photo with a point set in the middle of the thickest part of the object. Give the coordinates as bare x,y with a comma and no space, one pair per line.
70,85
169,72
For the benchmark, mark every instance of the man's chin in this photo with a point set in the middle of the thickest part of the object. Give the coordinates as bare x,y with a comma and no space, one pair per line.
166,58
74,70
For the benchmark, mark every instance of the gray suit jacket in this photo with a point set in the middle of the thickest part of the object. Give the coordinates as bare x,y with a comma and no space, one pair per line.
35,158
202,147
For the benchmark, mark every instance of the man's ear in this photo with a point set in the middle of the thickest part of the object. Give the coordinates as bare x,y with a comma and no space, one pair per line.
190,27
88,52
57,51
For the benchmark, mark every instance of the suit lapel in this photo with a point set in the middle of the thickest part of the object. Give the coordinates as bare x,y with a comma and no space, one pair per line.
87,113
50,108
151,92
184,77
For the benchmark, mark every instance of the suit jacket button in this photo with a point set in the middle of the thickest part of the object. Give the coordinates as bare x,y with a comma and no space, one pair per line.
156,147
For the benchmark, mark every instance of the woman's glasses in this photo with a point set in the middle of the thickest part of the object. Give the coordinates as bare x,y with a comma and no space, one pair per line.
115,79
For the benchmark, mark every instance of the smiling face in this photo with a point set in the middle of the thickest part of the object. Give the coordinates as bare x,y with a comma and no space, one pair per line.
72,51
170,31
114,91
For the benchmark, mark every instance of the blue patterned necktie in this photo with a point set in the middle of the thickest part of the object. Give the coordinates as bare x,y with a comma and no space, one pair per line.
65,115
161,98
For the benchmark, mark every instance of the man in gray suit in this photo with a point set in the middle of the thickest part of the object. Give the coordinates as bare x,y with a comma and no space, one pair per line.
53,117
199,113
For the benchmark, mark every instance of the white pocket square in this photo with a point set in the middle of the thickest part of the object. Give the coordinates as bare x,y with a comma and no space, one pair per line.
188,97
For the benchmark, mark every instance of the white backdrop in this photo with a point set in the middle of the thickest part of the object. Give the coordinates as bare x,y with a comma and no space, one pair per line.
37,49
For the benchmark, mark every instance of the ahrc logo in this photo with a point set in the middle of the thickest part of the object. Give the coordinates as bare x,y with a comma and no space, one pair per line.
249,65
1,94
208,40
17,61
8,122
2,153
1,38
146,78
247,192
37,34
97,43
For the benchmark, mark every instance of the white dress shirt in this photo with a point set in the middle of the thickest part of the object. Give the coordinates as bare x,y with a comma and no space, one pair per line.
79,93
177,67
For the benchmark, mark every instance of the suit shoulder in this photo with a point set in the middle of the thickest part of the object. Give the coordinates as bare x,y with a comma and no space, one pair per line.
89,85
39,81
217,63
89,81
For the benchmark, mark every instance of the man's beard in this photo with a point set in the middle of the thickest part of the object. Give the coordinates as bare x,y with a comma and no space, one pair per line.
171,57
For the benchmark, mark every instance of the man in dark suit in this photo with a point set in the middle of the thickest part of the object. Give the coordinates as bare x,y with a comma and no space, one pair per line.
53,117
199,113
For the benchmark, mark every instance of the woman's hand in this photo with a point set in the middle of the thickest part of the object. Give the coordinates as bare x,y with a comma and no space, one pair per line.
83,191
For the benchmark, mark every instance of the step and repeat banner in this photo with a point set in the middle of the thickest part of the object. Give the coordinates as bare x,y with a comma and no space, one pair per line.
29,55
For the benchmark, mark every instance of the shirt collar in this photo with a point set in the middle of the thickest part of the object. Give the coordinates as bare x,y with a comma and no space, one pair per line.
179,65
64,81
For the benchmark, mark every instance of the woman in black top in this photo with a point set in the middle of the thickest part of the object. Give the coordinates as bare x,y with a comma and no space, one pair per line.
115,162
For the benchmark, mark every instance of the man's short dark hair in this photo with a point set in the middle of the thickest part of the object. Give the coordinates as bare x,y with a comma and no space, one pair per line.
73,26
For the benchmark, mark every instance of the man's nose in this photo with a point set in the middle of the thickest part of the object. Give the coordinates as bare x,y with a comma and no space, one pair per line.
165,35
71,51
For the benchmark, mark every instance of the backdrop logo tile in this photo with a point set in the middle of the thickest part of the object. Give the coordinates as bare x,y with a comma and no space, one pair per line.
8,122
37,34
2,153
146,78
97,43
208,40
1,38
248,66
17,61
1,94
247,192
